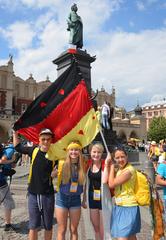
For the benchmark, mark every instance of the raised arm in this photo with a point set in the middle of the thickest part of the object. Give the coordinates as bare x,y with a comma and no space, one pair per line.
16,139
108,162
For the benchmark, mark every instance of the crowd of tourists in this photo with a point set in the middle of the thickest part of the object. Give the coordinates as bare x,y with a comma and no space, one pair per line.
105,187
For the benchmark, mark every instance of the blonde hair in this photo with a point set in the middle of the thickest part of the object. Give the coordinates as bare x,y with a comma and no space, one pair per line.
97,145
66,172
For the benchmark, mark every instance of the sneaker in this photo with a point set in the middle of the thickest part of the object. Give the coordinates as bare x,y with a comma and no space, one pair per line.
9,227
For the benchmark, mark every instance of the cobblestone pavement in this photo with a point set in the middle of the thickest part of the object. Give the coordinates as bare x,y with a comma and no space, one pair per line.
20,215
20,218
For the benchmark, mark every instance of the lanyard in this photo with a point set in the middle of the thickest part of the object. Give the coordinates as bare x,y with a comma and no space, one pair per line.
74,172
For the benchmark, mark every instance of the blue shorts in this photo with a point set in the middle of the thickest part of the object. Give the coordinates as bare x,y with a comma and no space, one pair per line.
125,221
41,207
67,201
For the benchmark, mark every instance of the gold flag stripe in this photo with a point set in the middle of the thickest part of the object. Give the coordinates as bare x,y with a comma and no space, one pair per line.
85,131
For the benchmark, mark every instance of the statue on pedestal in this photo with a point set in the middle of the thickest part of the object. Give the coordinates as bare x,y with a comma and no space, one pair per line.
75,26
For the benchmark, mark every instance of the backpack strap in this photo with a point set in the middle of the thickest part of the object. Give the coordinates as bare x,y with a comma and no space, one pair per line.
59,177
34,153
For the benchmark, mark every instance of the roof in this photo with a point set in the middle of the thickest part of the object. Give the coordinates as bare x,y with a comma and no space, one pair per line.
154,103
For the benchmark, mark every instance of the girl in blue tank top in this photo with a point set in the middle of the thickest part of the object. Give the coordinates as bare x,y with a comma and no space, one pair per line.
68,198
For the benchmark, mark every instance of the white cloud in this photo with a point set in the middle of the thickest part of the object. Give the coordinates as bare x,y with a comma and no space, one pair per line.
157,97
134,91
19,35
131,61
43,20
39,60
140,5
9,4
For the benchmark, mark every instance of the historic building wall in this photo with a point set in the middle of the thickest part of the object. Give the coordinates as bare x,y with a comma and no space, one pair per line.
154,109
15,93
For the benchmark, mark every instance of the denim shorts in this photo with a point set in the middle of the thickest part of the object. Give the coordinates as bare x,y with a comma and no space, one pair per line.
41,207
67,201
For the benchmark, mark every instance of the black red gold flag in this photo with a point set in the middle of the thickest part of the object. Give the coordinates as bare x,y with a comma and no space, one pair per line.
65,108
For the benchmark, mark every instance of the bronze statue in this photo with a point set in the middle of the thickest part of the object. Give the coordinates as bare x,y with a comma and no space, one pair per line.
75,27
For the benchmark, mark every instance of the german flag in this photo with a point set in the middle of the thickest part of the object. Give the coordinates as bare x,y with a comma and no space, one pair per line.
65,108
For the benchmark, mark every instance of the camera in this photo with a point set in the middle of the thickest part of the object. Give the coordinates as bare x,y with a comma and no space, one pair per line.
6,170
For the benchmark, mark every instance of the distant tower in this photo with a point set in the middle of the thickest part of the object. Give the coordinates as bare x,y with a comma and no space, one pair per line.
138,110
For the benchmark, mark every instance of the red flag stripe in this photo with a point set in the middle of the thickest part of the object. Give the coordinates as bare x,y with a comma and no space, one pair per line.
64,117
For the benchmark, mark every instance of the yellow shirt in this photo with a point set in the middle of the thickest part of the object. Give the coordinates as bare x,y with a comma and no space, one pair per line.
154,151
124,194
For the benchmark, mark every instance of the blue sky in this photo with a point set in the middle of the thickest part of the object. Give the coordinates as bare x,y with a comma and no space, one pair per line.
127,36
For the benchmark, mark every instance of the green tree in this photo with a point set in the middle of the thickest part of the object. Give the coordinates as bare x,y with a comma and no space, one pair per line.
157,129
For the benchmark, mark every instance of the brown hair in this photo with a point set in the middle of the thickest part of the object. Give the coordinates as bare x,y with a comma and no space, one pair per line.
121,149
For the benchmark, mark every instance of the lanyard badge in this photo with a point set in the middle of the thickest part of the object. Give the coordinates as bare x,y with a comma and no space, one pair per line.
73,187
96,195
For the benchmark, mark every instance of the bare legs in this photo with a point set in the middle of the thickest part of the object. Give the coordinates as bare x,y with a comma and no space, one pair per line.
33,234
62,217
8,216
97,222
74,215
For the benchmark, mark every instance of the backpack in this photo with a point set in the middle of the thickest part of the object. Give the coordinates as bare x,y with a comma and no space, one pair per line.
142,189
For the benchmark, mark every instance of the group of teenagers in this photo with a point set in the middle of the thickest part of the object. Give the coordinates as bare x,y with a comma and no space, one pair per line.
104,187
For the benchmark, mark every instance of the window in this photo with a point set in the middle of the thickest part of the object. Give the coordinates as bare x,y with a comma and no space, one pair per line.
26,91
17,90
156,113
149,114
162,113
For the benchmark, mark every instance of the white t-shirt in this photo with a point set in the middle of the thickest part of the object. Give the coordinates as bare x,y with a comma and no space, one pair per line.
105,109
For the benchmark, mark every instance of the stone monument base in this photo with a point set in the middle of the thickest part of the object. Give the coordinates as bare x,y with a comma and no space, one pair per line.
110,138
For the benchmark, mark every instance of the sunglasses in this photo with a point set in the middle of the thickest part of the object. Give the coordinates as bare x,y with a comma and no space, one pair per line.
45,139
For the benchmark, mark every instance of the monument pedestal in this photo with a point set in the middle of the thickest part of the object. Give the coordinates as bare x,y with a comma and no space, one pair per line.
110,138
83,59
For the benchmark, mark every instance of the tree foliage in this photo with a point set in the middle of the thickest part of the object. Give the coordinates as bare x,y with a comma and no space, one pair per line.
157,129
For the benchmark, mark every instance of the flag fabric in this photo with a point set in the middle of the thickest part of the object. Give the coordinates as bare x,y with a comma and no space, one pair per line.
65,108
